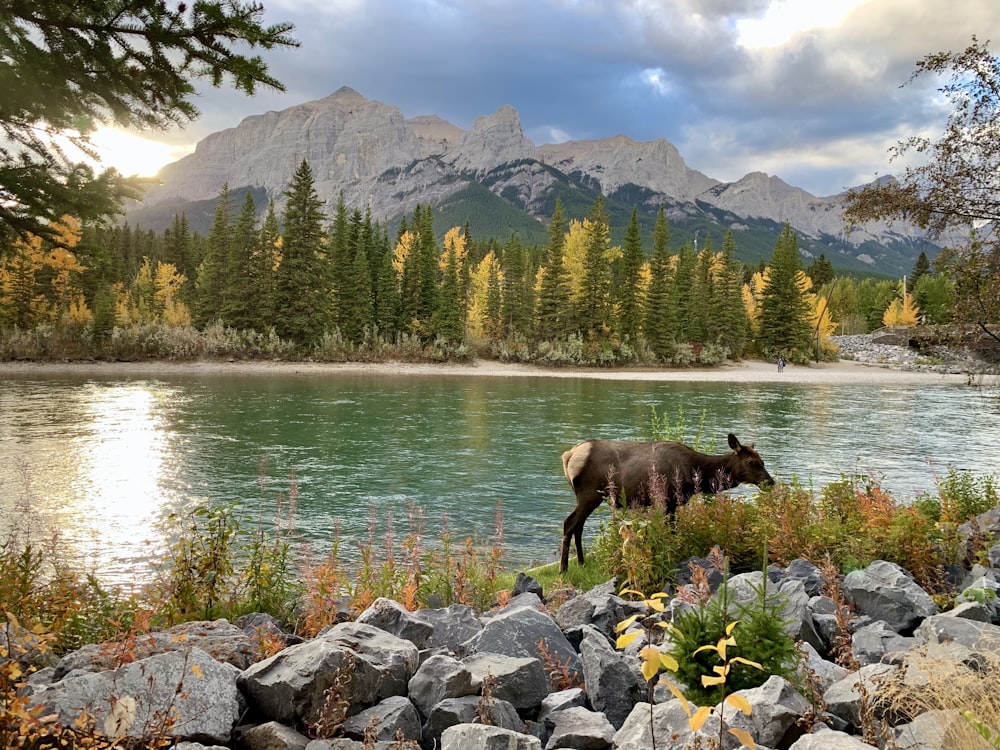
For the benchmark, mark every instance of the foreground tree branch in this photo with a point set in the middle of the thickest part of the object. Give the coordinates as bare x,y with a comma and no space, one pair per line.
955,191
67,68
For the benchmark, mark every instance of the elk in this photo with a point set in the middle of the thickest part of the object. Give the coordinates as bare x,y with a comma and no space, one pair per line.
641,473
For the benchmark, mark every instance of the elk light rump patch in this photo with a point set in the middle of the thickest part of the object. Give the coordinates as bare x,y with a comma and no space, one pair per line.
648,472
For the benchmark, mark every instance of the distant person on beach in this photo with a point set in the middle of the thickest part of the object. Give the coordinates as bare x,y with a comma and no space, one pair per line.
781,364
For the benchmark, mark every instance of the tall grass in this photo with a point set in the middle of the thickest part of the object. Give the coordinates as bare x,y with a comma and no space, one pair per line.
850,522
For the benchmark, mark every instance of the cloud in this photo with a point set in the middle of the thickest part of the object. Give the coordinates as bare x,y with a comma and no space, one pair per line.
806,90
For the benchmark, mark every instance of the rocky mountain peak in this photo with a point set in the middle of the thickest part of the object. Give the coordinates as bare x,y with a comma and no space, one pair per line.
369,152
493,140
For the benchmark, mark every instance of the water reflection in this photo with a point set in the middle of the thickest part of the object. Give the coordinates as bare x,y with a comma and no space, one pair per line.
84,464
101,460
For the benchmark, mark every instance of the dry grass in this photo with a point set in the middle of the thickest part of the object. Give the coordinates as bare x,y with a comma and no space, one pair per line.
945,680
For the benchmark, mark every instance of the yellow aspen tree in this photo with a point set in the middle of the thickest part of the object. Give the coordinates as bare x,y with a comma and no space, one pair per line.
453,240
752,295
901,312
20,303
167,285
480,316
77,313
402,251
123,304
574,253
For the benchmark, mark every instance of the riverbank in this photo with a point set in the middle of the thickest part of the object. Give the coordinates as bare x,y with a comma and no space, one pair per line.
747,371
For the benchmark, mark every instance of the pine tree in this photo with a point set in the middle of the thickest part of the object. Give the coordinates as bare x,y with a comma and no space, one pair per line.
703,291
355,296
682,291
554,291
630,301
212,283
516,304
493,314
659,323
239,307
449,320
595,284
387,302
264,266
338,250
303,288
730,324
419,275
921,267
785,312
820,271
179,249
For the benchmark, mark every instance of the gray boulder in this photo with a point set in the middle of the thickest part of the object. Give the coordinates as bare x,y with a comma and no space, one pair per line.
984,593
393,718
438,678
580,729
799,570
220,639
558,701
194,693
885,591
972,611
775,710
396,619
452,626
467,710
600,607
932,730
525,584
518,632
829,739
366,663
987,523
480,737
823,672
669,723
876,642
520,680
970,633
611,684
27,648
846,697
272,736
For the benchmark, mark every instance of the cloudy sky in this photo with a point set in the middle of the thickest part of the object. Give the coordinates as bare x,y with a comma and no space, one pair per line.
808,90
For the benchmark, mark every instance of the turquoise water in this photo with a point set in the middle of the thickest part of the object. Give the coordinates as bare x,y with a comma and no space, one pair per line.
101,459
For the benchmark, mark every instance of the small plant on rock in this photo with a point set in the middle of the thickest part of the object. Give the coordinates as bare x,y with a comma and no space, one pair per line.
654,660
720,680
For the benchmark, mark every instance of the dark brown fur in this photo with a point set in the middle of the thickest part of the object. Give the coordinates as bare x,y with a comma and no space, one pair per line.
641,473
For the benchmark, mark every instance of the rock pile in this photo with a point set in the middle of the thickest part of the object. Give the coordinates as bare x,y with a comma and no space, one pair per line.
525,678
863,348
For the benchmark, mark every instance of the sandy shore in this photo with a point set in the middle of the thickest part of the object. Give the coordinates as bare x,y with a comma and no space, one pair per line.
844,371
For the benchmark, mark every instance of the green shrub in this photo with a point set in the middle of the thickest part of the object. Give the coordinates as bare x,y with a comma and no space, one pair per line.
638,546
762,640
964,496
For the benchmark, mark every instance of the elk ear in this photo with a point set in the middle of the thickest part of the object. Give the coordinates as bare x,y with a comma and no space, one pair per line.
733,442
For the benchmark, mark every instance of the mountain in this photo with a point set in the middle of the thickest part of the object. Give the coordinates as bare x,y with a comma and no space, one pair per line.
496,180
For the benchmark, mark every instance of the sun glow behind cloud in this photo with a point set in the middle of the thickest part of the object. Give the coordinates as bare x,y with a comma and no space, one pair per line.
132,154
786,18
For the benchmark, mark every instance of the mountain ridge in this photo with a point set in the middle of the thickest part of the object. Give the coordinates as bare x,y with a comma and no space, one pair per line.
375,157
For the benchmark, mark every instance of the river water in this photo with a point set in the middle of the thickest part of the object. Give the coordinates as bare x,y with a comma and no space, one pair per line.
101,459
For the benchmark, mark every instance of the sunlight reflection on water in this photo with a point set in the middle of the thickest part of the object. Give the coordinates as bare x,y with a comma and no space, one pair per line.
101,461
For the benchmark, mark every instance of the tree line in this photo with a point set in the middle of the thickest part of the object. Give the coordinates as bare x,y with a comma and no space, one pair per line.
307,277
